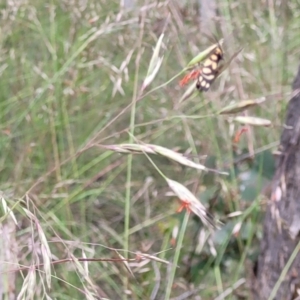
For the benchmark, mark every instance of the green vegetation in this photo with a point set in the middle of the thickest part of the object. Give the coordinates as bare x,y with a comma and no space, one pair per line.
72,75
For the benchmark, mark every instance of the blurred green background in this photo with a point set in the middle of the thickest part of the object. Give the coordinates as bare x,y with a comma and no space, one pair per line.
71,72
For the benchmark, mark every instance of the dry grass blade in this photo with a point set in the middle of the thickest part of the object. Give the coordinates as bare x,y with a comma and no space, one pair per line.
155,149
8,211
230,290
192,203
129,148
152,257
126,264
29,284
189,92
82,270
46,253
89,295
241,106
155,57
254,121
155,64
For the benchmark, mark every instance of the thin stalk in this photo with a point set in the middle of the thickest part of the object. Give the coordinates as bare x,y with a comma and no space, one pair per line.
218,279
284,271
176,255
135,97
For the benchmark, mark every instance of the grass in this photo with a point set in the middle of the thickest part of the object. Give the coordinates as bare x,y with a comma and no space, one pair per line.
72,82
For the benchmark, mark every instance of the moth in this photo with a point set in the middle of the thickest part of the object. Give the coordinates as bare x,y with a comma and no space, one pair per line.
208,70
